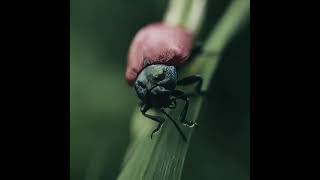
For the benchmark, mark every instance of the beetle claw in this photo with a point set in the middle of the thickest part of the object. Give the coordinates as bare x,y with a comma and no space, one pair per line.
190,124
156,130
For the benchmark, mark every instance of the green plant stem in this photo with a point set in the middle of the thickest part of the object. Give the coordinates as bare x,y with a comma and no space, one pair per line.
235,16
187,13
195,17
163,156
176,11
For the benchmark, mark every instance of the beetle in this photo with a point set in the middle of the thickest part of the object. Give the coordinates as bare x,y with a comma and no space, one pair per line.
155,54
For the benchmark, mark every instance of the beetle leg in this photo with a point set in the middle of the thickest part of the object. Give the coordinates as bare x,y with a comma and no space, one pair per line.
173,103
159,119
183,114
177,93
175,124
191,80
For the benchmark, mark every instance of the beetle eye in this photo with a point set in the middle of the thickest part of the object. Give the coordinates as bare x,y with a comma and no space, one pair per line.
141,84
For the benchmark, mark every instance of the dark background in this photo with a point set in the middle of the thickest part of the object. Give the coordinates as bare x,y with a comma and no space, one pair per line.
101,103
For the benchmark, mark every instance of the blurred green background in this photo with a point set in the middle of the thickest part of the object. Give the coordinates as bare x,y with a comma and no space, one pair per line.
101,103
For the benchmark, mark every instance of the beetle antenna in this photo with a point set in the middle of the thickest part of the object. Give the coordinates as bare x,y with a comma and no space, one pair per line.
176,125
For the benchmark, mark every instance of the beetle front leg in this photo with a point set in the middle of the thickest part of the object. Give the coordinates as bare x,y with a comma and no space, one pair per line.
144,108
191,80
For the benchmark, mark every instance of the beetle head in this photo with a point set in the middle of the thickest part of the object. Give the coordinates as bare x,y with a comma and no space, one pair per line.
155,84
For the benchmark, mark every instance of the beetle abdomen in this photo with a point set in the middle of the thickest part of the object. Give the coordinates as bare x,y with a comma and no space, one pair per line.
158,43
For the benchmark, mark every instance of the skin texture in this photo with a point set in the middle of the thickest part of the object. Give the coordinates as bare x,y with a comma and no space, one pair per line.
158,43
